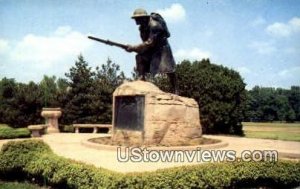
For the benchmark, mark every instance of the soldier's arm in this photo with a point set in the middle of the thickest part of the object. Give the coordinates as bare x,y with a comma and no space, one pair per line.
154,38
143,47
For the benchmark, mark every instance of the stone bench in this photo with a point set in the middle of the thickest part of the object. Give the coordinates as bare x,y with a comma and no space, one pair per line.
94,126
37,130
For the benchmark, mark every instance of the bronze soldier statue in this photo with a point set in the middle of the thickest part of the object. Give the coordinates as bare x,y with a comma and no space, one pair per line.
154,54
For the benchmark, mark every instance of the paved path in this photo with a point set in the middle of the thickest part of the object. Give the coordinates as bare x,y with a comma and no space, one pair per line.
69,146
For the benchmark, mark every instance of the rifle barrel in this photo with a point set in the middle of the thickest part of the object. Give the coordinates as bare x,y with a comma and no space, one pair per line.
108,42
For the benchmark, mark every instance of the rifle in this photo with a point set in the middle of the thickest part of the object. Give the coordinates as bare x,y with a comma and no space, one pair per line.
108,42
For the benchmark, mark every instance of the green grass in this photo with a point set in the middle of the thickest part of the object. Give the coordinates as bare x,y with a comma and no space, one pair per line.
17,185
276,131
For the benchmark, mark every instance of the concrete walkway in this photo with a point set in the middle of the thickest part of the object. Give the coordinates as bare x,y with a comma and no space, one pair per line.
69,146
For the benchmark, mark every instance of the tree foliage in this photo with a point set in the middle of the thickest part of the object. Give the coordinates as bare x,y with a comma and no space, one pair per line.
219,91
107,79
77,102
20,104
85,96
49,90
270,104
89,99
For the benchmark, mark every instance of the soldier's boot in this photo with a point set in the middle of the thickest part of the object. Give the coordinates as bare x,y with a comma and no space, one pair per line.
142,78
173,81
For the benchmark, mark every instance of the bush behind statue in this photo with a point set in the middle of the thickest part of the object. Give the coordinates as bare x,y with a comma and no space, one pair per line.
34,159
219,91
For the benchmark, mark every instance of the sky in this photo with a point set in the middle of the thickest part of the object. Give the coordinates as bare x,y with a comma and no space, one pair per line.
258,38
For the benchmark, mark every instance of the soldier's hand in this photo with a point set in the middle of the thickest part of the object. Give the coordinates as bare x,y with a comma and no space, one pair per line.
130,48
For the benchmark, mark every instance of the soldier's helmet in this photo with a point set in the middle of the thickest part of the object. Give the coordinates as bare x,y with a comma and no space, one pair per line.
139,13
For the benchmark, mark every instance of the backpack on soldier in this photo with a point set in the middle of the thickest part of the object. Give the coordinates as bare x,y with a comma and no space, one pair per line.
157,17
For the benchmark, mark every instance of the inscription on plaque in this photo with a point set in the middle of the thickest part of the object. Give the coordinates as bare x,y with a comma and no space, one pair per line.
129,112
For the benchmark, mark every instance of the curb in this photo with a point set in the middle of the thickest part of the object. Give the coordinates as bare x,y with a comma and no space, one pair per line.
93,145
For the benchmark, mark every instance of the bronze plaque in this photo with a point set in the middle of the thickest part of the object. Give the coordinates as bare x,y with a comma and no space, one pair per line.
129,112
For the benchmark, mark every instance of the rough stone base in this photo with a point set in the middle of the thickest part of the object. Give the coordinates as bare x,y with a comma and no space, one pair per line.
168,119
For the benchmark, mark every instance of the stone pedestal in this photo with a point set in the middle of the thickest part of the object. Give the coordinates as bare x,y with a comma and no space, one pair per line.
145,115
51,116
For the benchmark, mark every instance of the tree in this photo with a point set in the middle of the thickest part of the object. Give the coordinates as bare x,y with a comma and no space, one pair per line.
20,104
108,78
219,91
270,104
294,101
89,97
86,97
77,102
62,85
8,89
49,91
28,104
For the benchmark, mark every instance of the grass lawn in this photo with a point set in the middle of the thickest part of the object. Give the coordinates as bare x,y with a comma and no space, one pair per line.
277,131
18,185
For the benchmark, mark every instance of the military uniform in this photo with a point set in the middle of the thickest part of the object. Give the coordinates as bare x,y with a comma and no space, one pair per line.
154,54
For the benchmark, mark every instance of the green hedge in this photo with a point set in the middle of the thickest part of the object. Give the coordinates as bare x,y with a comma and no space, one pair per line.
35,160
7,132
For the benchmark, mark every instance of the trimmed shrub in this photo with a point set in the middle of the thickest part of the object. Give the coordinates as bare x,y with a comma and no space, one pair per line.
34,159
63,172
7,132
15,155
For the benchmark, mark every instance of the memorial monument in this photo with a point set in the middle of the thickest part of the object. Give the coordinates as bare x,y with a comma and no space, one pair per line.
142,113
145,115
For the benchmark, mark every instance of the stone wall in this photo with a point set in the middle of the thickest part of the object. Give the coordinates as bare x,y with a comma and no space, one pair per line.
168,119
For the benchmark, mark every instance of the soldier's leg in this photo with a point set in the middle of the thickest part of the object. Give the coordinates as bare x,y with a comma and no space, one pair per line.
173,81
142,65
